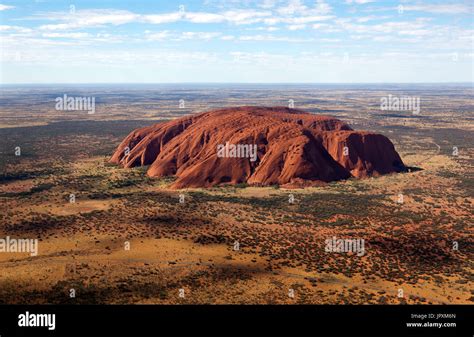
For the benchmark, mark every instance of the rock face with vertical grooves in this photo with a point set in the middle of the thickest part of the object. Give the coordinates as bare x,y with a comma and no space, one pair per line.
293,148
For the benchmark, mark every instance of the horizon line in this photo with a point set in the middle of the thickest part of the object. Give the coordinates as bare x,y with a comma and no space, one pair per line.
258,83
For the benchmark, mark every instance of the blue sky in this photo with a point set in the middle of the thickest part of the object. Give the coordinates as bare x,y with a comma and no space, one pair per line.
268,41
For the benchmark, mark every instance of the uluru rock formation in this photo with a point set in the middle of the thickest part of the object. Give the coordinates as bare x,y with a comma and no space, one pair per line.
259,146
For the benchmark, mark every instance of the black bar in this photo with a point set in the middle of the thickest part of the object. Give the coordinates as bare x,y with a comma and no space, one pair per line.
235,320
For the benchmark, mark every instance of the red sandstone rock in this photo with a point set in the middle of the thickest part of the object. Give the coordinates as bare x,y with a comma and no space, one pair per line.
293,148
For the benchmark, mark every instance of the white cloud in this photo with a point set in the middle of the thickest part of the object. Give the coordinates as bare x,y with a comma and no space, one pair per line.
162,18
116,17
293,7
67,35
268,4
322,7
326,28
386,27
233,16
441,8
15,29
363,19
297,20
415,32
297,27
5,7
330,40
359,2
272,38
271,29
199,35
272,21
88,18
265,28
202,17
167,35
60,26
309,19
98,18
63,26
157,36
298,7
245,16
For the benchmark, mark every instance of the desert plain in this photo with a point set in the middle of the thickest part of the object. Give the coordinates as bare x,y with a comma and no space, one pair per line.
112,235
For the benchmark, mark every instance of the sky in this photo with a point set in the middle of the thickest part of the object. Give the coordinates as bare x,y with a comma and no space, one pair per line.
267,41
